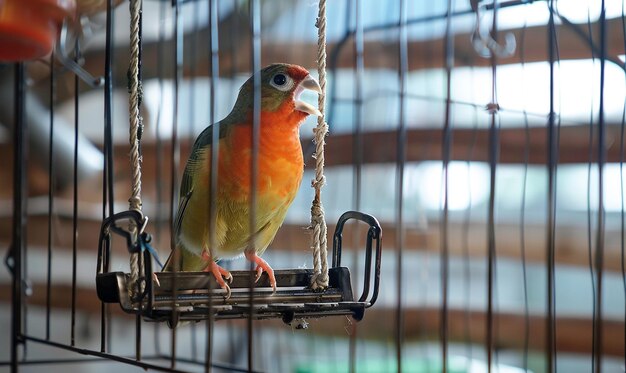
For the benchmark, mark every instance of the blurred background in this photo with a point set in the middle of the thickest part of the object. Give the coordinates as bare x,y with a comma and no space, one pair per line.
456,186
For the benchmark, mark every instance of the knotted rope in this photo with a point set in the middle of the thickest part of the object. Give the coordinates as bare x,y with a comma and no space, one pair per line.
319,242
134,100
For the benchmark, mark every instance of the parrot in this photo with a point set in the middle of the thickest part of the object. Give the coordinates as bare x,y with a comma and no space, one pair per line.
280,168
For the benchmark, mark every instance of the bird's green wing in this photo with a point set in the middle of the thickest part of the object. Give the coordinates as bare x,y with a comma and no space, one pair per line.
201,146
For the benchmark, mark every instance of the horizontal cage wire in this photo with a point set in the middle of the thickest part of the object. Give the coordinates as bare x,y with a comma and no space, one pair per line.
167,144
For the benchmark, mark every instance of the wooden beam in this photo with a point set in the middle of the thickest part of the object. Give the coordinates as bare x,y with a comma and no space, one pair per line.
571,241
425,144
61,298
423,54
573,334
378,54
379,147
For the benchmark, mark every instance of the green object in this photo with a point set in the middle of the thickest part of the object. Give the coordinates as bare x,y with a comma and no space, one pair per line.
385,365
456,364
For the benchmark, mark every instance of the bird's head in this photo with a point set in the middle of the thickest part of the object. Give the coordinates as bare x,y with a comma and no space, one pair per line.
280,84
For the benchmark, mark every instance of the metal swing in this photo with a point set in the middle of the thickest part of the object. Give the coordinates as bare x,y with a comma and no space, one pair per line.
194,296
183,296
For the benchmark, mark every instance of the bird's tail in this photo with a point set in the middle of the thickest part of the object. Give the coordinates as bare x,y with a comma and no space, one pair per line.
173,261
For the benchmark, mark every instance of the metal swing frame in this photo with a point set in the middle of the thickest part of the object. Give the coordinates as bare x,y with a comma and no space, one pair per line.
195,296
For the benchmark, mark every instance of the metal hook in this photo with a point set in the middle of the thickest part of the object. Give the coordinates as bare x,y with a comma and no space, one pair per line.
70,64
143,225
482,41
9,262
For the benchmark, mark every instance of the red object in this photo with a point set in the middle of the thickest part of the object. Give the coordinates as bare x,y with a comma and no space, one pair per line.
29,28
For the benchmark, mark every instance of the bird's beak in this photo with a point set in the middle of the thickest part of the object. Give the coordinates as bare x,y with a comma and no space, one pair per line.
307,83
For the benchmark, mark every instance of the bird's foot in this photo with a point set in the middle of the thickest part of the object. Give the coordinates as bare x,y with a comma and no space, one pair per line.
262,265
220,274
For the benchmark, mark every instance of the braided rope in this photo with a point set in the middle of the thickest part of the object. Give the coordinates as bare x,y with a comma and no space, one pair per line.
319,242
135,126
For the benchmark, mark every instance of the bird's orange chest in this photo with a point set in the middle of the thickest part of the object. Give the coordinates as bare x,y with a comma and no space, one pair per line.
279,159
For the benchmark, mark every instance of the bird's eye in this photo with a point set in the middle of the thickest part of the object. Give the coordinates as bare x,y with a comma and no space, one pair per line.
282,82
280,79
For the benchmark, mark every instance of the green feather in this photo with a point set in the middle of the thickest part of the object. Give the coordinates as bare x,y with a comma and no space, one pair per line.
271,98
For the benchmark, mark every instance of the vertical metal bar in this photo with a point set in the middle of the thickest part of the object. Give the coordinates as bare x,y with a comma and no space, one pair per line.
175,156
400,163
599,264
493,162
447,141
590,161
621,178
233,335
551,211
173,347
108,109
107,179
358,112
213,175
158,139
50,194
20,162
590,145
75,197
467,272
357,153
491,241
159,151
193,72
255,15
522,44
138,327
25,323
159,119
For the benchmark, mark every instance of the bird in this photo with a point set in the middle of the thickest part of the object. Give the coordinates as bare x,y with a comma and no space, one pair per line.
280,166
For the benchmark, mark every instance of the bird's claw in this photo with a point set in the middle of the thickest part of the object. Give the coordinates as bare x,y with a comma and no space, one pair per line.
220,275
228,292
259,272
261,266
225,286
270,274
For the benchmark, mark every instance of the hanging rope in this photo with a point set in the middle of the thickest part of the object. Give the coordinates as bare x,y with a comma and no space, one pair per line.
319,242
134,100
